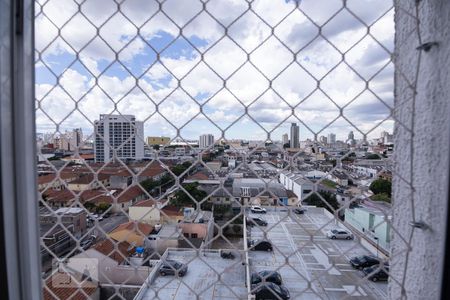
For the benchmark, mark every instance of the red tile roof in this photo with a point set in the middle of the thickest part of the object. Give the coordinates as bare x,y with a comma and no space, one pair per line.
146,203
119,253
66,286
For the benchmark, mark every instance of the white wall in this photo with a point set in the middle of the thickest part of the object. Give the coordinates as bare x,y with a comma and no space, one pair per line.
422,160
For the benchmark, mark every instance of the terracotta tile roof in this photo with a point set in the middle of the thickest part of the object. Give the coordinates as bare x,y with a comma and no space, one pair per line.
131,232
172,211
152,170
131,193
67,286
146,203
107,247
89,178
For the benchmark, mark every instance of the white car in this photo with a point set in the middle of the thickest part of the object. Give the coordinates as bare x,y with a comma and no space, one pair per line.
258,210
338,233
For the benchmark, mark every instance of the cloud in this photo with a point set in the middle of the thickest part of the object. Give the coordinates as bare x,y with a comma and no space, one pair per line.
217,72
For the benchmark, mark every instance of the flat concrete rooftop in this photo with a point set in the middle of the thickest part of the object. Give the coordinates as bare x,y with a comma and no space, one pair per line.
208,275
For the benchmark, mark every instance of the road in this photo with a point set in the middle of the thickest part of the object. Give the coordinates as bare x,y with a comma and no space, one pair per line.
108,224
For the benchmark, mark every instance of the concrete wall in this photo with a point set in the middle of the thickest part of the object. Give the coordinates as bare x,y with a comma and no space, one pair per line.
422,159
150,215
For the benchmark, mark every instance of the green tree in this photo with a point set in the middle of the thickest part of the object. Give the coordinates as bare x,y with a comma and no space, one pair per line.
182,199
179,169
315,200
381,186
381,197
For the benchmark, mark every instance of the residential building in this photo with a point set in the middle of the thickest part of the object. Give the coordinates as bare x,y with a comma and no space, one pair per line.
370,221
205,141
297,183
118,136
285,139
331,139
158,140
134,233
146,211
295,136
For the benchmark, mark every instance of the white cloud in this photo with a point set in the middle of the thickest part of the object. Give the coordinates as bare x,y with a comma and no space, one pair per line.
247,84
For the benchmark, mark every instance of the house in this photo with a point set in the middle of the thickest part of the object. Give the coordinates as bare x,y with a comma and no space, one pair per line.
250,191
146,211
65,285
154,171
295,182
52,181
88,181
132,232
114,262
198,231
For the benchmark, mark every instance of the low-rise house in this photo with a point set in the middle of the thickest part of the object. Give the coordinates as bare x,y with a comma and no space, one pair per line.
295,182
65,285
146,211
88,181
52,181
133,233
114,262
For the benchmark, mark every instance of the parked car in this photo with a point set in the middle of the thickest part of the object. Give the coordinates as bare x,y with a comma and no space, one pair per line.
375,273
253,221
300,210
339,233
266,276
86,244
270,290
260,245
364,261
172,267
258,209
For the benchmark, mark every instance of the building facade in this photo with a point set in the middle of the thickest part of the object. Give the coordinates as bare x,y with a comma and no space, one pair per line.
205,140
295,136
158,140
121,134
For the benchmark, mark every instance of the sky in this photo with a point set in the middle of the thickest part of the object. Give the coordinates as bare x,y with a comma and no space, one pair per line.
245,70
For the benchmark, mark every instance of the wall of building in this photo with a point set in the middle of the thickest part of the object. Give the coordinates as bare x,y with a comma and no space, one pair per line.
422,160
148,215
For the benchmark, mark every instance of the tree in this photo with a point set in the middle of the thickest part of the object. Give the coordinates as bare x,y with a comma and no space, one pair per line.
286,146
381,197
381,186
179,169
182,199
156,147
315,200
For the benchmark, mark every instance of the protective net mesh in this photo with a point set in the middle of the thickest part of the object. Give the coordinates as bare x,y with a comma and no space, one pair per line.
185,147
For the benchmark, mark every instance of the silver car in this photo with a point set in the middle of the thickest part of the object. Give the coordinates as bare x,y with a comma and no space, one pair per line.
338,233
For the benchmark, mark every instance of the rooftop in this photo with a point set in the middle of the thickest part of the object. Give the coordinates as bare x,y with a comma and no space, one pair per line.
201,278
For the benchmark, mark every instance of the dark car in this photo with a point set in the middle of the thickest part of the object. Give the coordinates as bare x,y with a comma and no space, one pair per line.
258,221
375,273
260,245
364,261
300,211
266,276
171,267
270,290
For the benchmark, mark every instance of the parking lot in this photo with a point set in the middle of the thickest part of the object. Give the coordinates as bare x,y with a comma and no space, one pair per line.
202,278
322,263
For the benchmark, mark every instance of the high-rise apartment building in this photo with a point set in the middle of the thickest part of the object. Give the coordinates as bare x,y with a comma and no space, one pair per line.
285,139
295,136
205,140
331,138
121,134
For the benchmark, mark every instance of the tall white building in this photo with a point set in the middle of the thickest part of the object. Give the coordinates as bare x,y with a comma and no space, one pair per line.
119,133
205,140
331,138
285,139
295,136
